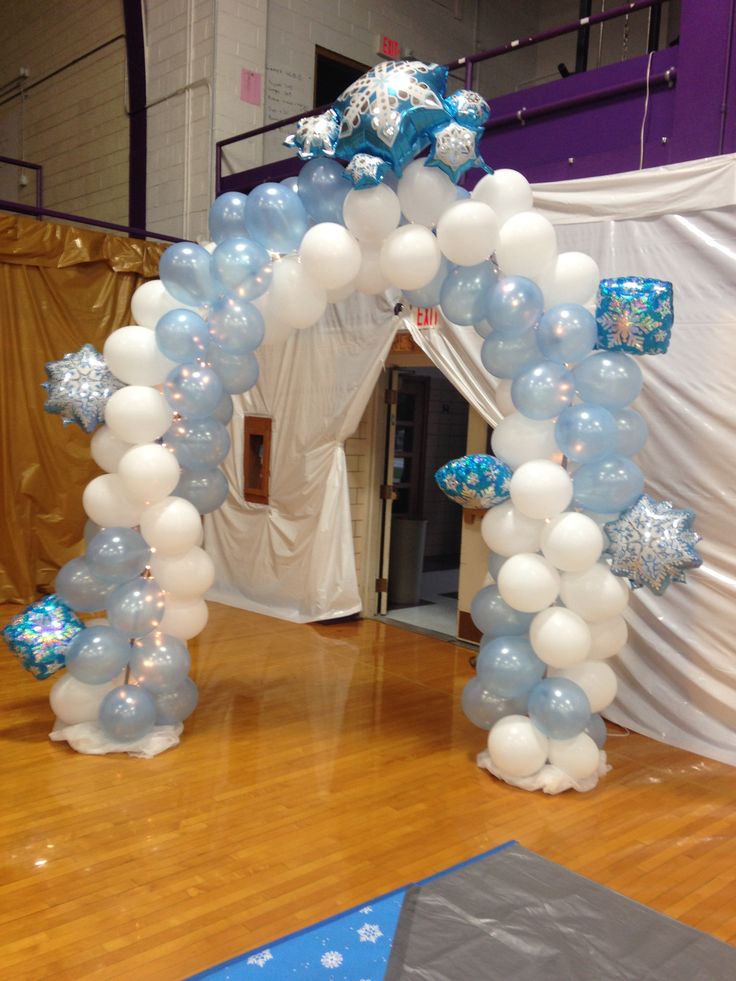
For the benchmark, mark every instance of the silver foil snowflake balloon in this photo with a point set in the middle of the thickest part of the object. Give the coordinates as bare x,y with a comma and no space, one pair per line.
79,386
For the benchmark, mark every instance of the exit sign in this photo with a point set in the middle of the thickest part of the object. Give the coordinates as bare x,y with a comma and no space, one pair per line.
389,48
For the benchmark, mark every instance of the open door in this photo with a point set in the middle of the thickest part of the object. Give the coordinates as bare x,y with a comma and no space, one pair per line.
388,494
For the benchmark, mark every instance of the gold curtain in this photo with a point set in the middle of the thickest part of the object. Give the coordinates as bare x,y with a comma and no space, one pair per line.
60,288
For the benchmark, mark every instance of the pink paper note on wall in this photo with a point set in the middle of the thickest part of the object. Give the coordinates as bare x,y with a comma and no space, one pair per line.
250,87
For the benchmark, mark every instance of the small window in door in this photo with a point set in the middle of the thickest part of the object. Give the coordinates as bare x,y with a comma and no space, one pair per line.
256,459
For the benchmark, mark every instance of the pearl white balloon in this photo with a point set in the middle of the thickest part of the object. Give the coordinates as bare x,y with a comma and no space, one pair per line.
517,747
188,575
330,255
540,489
371,213
574,279
425,193
277,332
506,531
467,232
371,278
132,355
74,701
138,414
526,244
151,301
149,473
517,440
106,502
172,526
184,617
595,594
559,637
572,542
335,296
506,191
502,397
528,582
577,757
597,680
106,449
295,298
607,638
410,257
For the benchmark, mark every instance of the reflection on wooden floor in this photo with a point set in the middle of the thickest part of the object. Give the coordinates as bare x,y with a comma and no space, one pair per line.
324,766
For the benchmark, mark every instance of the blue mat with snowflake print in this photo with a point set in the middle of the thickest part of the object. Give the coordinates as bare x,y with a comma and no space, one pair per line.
353,946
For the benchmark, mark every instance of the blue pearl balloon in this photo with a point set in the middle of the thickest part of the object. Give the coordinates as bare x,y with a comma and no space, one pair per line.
159,662
631,431
243,266
116,555
90,530
596,729
177,705
559,708
79,587
429,295
224,409
227,216
237,372
182,335
205,489
463,292
198,444
136,608
494,567
494,617
607,486
292,183
97,655
236,326
484,708
184,269
507,357
567,333
323,188
193,390
585,432
509,666
276,217
608,378
127,713
543,390
513,305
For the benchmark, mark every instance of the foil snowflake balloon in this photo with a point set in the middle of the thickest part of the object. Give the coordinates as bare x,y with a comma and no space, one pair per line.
40,635
78,388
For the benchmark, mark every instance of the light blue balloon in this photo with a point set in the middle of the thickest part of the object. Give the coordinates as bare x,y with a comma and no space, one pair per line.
224,410
631,431
608,485
429,295
236,326
116,555
596,729
559,708
127,713
567,333
292,183
494,567
184,269
97,655
461,193
90,530
193,390
513,305
543,390
159,663
243,266
227,216
78,586
608,378
463,293
484,708
182,335
198,444
585,432
494,617
323,188
136,608
276,218
237,372
205,489
509,666
507,357
175,706
483,328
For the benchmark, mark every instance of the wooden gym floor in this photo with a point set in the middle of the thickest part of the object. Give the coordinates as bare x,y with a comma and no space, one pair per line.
325,765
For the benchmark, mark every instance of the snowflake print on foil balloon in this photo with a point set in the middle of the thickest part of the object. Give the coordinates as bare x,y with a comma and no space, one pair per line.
79,386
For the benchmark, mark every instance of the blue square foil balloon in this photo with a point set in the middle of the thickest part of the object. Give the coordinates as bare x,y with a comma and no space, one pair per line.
40,635
475,481
634,315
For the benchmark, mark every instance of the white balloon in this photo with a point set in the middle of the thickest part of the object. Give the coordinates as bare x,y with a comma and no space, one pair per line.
577,757
502,396
151,301
335,296
132,355
106,502
295,298
188,575
506,531
74,701
370,278
172,526
517,747
597,680
559,637
149,472
595,594
467,232
540,489
517,439
526,244
572,542
138,414
184,617
106,449
607,638
410,257
528,582
330,255
371,213
574,279
424,193
277,332
507,191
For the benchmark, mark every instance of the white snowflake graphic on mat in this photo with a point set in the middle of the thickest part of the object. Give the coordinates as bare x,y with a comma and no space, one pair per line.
366,909
331,958
369,933
261,958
